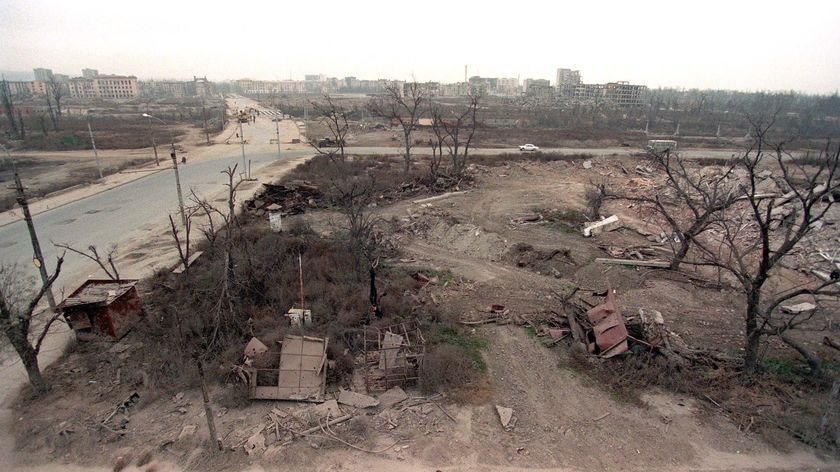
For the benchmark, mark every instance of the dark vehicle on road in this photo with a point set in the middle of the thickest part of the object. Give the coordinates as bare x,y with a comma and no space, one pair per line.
329,142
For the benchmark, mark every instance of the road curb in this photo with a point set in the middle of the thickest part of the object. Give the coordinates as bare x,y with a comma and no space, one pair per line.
81,197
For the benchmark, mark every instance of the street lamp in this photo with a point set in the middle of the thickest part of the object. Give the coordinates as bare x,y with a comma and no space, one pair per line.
154,143
175,167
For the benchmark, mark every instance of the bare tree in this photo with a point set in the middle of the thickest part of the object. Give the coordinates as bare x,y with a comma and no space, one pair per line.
19,320
455,131
703,195
404,105
8,106
55,92
334,116
753,237
105,262
21,125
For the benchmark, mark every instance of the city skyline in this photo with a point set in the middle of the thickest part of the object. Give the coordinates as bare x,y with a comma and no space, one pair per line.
646,43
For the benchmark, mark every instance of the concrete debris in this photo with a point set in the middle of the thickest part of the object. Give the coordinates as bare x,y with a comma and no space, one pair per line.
186,431
296,315
644,171
799,308
328,408
392,396
587,164
286,200
356,400
505,417
602,226
255,347
255,444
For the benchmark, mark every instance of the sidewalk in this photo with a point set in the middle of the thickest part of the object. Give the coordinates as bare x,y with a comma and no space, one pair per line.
193,151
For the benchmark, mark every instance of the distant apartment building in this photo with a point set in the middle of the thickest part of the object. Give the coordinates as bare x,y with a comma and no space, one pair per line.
529,85
203,87
428,89
567,79
38,87
116,87
18,87
89,73
61,77
507,87
625,94
569,86
105,87
291,87
43,75
622,94
457,89
81,88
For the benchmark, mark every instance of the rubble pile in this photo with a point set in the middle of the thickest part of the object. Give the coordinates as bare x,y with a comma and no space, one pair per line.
291,199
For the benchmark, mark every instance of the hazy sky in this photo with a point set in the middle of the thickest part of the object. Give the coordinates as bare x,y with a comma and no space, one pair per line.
748,45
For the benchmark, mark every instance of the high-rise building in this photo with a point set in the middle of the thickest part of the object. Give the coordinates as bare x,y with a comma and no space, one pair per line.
43,75
567,80
90,73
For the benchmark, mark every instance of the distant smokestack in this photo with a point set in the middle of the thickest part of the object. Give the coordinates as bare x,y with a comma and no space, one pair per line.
465,73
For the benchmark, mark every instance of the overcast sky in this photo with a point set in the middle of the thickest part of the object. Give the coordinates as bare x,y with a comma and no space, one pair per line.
746,45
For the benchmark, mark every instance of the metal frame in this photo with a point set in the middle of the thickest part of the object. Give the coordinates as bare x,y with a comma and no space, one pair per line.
386,364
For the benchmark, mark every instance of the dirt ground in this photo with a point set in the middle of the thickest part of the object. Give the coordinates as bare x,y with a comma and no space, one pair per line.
45,172
563,420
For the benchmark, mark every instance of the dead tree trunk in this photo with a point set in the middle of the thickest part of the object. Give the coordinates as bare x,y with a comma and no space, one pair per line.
208,409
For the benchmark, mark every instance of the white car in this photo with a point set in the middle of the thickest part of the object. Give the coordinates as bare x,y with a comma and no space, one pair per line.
528,147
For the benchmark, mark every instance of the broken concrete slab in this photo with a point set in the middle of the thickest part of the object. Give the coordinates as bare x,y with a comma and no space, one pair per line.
186,431
357,400
392,396
328,408
255,347
505,416
799,308
607,224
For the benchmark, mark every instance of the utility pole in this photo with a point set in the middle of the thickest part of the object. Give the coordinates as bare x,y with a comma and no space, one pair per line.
154,142
95,154
206,131
277,125
33,236
178,185
242,145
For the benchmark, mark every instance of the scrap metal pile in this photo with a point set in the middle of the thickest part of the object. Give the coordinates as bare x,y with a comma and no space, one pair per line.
291,199
603,331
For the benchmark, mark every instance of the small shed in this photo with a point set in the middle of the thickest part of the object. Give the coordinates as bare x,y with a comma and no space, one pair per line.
102,308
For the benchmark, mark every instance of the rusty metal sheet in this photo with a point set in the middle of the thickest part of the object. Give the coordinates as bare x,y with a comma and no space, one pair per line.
608,327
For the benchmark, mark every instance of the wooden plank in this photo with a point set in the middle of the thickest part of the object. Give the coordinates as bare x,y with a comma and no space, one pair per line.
633,262
180,267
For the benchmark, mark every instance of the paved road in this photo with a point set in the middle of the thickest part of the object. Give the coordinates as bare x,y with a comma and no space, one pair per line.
105,218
